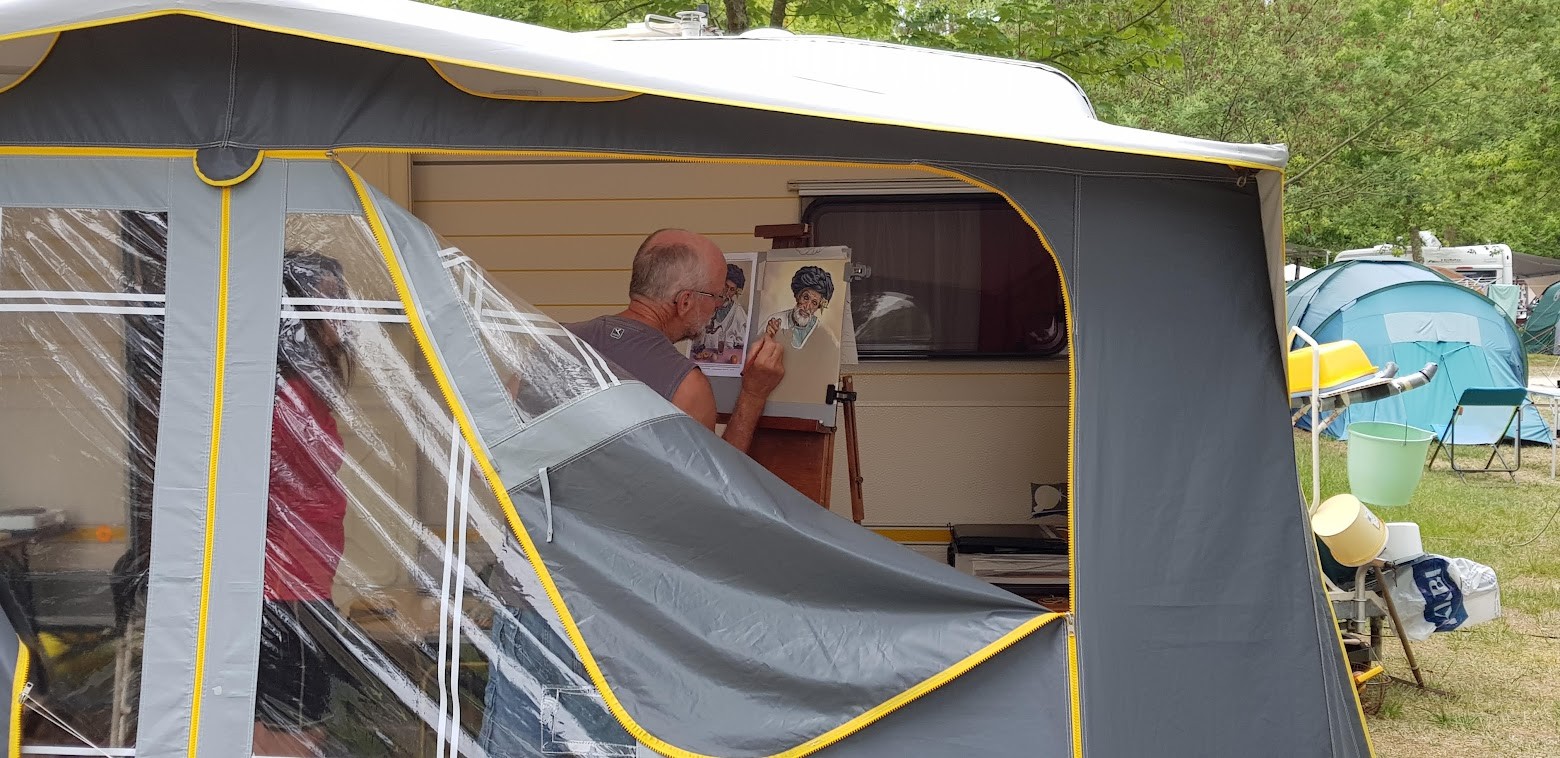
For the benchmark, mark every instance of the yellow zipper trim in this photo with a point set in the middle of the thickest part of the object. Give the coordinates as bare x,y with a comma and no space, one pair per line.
34,66
224,249
1074,674
299,155
675,95
18,683
526,98
419,332
1073,698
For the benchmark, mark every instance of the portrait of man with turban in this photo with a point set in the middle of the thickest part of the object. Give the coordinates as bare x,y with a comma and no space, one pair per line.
812,350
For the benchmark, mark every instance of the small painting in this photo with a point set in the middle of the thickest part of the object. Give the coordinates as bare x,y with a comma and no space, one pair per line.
721,350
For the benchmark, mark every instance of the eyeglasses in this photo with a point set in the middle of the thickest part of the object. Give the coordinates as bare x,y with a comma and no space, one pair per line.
706,294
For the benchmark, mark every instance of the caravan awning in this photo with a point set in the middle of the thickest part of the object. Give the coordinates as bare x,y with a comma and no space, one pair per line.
815,76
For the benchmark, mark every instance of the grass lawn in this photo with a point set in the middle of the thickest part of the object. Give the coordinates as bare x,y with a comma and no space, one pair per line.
1502,679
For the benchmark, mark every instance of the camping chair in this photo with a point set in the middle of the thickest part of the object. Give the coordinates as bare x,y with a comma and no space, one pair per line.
1484,397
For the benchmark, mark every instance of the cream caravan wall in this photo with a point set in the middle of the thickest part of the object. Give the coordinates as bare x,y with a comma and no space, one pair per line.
941,441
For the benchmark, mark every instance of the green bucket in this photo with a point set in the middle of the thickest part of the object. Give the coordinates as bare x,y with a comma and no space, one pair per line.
1386,461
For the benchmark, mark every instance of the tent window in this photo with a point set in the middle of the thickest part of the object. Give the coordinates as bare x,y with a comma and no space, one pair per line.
542,364
81,351
950,276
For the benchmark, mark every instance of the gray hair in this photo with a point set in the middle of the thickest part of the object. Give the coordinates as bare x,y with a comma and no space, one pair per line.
664,268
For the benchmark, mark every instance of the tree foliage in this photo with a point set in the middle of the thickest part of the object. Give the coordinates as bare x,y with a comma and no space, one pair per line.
1399,114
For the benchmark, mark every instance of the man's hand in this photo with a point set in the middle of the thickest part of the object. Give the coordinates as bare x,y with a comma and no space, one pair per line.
763,372
772,328
765,368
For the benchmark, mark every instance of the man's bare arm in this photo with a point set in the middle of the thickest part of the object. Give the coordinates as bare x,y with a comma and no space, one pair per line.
763,372
696,398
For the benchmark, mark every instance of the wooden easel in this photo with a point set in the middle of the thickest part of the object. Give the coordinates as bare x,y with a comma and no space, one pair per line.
799,451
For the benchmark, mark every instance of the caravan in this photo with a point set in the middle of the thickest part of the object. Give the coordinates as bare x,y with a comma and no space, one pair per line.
1483,264
1486,269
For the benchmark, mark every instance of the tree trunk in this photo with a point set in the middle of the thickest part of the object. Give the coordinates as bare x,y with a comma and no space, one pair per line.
777,14
1414,247
736,16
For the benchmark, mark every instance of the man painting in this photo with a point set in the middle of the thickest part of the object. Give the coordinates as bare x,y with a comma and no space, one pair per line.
672,297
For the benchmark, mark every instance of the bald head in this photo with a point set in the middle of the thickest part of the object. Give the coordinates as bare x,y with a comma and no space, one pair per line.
670,261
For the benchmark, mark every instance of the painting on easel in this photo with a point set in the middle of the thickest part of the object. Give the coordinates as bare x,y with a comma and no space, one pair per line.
803,303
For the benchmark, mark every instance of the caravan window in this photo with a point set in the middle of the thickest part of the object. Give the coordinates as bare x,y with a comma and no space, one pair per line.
948,276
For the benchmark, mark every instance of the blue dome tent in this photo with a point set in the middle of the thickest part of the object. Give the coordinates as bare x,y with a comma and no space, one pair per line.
1418,322
1318,296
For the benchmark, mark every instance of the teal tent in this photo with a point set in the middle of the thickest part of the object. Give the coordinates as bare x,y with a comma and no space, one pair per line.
1417,322
1538,333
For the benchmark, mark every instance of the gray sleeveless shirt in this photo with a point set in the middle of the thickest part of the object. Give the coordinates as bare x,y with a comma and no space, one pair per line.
643,352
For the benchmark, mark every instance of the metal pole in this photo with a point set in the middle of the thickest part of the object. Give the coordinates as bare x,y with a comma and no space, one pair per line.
1316,389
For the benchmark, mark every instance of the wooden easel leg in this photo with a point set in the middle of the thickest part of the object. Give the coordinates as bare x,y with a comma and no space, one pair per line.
853,454
1397,627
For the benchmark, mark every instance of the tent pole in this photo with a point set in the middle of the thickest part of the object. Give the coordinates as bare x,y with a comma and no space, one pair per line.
1316,389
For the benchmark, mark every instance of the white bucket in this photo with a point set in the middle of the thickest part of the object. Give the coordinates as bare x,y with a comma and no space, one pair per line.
1403,542
1349,529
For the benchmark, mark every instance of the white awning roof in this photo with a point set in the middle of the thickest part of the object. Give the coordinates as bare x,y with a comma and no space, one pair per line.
816,76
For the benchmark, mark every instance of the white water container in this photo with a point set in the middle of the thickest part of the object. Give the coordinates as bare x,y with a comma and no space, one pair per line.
1403,542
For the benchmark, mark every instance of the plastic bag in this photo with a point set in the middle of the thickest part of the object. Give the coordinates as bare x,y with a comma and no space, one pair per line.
1439,594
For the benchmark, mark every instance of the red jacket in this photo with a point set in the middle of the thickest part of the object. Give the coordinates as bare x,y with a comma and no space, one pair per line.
303,528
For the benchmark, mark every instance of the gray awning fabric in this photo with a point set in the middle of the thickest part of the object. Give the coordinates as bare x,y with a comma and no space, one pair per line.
1210,489
1016,704
997,98
282,92
238,535
184,460
663,592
